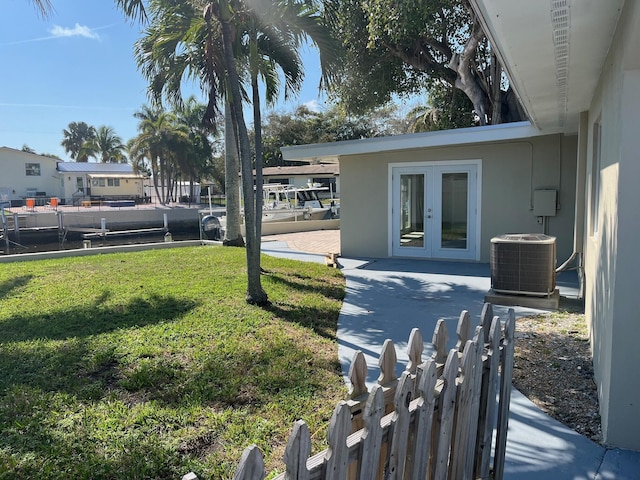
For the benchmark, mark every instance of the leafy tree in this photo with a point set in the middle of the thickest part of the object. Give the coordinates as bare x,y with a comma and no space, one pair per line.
406,47
28,149
448,108
75,137
106,145
304,126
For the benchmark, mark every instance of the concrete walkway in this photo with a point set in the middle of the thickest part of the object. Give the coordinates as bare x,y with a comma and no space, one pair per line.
386,298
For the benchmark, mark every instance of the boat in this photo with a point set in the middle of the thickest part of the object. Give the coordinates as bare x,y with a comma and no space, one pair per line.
286,203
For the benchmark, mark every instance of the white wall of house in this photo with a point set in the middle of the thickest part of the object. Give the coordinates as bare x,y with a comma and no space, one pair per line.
72,182
24,172
612,236
511,171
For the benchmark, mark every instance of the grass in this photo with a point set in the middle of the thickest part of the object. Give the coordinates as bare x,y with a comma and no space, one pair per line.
150,364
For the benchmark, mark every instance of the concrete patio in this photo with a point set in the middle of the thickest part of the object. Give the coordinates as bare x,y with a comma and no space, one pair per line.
386,298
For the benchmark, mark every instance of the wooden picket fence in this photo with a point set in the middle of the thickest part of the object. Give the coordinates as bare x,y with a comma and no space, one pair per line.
435,422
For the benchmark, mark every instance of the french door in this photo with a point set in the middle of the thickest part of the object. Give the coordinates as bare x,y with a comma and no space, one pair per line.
435,211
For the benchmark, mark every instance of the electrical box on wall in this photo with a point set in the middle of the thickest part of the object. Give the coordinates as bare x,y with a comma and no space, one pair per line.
544,203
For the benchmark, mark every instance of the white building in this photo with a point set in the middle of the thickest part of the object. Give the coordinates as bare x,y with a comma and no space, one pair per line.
27,175
575,66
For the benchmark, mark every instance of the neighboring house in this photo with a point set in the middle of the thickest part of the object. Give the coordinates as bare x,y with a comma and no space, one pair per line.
301,175
26,175
110,181
575,65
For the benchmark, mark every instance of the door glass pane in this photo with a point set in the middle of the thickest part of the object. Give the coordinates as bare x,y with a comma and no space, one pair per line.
412,210
455,190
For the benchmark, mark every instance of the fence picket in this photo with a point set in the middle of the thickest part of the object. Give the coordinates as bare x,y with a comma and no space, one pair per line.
358,375
414,350
505,395
463,330
251,465
487,406
387,363
446,404
440,337
400,426
297,452
475,402
371,442
424,419
463,412
486,317
337,457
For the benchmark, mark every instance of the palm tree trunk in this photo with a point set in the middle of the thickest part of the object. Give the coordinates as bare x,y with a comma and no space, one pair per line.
255,293
257,128
155,173
232,234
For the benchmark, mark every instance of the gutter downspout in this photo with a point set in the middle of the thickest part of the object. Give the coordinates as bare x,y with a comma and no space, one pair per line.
579,221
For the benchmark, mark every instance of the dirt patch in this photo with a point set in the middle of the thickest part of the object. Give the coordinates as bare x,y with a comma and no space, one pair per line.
554,369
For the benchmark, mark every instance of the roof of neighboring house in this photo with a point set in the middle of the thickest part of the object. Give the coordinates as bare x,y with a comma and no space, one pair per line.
22,152
318,169
553,59
331,152
90,167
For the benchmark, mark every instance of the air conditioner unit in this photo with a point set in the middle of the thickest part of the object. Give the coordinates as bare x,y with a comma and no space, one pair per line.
523,264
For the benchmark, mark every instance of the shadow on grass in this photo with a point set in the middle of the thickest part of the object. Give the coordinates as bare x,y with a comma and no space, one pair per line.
8,286
308,283
323,321
77,363
93,319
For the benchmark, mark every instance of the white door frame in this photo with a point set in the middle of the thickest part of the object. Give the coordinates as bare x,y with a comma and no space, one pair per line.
472,252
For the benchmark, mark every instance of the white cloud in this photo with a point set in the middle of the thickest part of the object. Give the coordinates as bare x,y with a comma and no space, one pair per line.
77,31
313,105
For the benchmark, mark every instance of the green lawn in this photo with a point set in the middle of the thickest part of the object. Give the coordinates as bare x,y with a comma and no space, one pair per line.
151,364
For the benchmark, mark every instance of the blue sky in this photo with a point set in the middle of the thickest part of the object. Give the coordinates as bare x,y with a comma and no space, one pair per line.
78,65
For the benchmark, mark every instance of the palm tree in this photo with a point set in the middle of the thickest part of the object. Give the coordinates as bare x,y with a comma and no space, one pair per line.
43,7
179,41
107,146
200,154
222,12
161,142
276,30
75,137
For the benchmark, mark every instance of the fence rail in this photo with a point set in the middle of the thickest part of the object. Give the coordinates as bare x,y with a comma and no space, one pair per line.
436,421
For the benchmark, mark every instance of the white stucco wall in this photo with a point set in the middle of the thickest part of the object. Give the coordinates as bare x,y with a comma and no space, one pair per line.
510,172
612,260
15,180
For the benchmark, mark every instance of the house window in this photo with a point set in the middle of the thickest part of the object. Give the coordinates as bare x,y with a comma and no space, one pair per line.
594,183
32,169
98,182
113,182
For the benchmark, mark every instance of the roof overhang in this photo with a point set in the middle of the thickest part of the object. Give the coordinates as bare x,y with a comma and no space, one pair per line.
332,152
115,175
553,52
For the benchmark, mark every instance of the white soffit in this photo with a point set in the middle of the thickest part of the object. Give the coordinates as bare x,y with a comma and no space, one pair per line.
553,52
